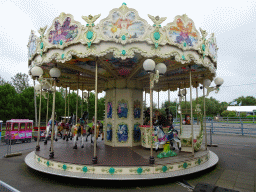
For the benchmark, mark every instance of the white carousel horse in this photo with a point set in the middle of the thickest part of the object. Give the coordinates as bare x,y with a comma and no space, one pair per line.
49,128
163,138
173,138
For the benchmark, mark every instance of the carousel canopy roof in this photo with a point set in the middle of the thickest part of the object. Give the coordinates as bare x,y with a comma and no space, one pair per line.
120,44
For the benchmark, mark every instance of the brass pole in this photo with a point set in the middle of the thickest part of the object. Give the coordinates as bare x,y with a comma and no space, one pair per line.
39,120
158,99
77,98
53,113
94,160
82,100
47,107
151,159
197,102
88,104
168,93
191,112
66,104
186,100
145,100
205,121
35,103
68,98
180,112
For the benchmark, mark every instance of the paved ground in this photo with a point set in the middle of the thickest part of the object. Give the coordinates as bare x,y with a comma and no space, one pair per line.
235,170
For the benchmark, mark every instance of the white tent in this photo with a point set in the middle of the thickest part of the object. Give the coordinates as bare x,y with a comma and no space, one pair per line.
239,109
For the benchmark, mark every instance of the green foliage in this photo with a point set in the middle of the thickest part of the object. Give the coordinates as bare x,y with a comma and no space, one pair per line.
232,114
246,101
243,114
225,113
20,82
251,116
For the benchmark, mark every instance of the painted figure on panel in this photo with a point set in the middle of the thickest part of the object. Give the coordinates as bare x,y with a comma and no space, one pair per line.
123,27
183,34
122,133
137,109
109,132
122,110
63,33
137,133
109,110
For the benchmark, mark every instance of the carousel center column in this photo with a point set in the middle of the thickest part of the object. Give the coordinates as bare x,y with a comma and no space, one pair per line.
123,113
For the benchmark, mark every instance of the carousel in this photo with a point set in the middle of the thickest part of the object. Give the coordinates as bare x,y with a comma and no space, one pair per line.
124,56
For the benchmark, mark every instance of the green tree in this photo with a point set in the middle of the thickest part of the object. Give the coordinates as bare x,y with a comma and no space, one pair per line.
20,82
232,114
243,114
225,113
246,101
8,102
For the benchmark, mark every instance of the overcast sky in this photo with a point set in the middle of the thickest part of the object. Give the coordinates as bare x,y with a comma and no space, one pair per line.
233,23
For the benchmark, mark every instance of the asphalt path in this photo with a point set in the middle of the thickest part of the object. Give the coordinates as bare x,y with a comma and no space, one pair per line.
236,153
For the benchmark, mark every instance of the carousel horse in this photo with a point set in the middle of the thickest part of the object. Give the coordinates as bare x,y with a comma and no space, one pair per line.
172,137
61,129
49,128
162,138
71,124
79,130
99,130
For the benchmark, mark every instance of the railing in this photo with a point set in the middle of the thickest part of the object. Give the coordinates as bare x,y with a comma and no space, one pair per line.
239,127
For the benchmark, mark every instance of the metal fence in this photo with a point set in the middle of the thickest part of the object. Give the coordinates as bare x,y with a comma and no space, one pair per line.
236,126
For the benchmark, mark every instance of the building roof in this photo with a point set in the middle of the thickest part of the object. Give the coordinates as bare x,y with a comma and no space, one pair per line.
241,108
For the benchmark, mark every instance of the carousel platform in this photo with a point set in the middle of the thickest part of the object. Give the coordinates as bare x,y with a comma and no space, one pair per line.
115,163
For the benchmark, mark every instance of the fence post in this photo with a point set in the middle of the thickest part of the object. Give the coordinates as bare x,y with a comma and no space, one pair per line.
212,126
242,128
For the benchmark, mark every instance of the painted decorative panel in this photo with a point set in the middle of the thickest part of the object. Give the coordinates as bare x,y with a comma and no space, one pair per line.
122,109
109,132
213,47
136,132
183,32
31,45
63,33
137,109
123,28
109,110
122,132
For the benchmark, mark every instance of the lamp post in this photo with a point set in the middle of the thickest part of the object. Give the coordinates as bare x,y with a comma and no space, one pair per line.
206,84
36,72
154,70
54,73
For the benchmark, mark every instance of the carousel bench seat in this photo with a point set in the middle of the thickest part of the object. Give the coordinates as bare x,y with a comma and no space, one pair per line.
186,136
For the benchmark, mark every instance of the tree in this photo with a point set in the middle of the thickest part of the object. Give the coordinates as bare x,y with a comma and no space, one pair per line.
246,101
225,113
20,82
8,102
232,114
2,81
243,114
